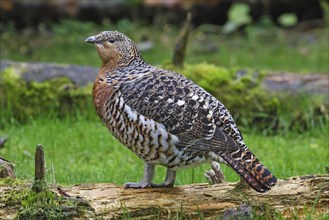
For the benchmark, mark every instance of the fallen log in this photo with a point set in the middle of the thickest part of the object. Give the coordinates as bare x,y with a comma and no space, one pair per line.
288,197
293,197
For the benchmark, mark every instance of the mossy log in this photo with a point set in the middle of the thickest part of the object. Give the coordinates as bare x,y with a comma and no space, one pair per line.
293,197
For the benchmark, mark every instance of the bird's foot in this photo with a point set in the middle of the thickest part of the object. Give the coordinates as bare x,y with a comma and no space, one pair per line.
215,175
164,184
137,185
142,185
242,185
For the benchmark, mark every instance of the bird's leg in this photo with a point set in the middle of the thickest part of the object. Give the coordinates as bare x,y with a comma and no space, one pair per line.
169,181
215,175
242,185
147,179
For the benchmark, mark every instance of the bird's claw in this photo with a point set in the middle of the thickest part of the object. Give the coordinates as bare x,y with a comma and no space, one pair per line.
215,175
164,184
142,185
137,185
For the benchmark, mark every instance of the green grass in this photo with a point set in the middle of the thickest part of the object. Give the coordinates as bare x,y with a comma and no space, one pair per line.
79,151
82,150
260,47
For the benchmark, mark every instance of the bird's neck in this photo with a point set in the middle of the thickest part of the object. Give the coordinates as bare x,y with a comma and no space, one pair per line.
107,67
113,65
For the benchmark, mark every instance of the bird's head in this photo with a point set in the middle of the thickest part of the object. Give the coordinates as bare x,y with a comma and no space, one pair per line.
115,49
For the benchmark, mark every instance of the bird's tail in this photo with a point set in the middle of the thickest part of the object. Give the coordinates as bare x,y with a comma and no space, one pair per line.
249,168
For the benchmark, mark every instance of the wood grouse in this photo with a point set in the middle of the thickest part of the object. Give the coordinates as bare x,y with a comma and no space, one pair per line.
165,118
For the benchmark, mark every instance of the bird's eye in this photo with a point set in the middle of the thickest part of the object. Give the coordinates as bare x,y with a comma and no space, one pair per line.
111,41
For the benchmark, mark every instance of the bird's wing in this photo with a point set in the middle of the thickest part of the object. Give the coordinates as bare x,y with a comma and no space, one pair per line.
185,109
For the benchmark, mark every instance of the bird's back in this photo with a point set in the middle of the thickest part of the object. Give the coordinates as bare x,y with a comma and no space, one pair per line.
163,107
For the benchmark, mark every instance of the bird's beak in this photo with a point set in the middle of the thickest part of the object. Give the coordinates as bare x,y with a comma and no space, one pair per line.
91,39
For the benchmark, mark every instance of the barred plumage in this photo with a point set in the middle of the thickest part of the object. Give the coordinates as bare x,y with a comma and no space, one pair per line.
165,118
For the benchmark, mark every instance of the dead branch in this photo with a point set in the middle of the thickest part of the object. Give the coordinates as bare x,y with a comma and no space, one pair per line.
180,46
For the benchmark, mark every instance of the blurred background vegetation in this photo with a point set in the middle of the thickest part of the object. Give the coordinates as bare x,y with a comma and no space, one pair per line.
276,35
232,46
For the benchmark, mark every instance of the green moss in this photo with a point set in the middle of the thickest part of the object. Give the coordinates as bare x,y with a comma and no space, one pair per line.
39,186
40,205
241,92
8,181
43,205
18,190
57,97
